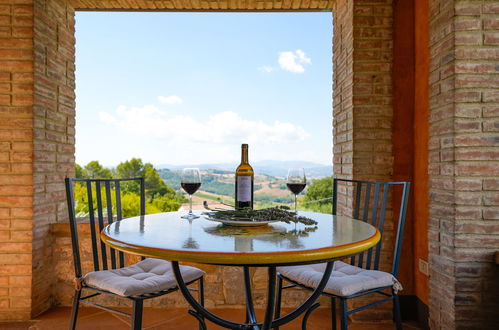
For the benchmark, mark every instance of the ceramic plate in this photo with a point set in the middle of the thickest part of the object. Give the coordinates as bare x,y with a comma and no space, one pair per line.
242,222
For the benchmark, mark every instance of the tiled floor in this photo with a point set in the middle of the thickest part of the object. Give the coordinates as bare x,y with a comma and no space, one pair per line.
171,319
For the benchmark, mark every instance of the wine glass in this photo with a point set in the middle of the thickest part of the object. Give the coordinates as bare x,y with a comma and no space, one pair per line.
190,182
296,181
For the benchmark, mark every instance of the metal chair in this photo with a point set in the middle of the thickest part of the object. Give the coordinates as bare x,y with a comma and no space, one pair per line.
110,276
361,276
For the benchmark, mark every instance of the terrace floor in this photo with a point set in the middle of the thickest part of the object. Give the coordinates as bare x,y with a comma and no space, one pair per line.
158,318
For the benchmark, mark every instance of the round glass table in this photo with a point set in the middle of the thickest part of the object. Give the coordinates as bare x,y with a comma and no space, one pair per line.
167,236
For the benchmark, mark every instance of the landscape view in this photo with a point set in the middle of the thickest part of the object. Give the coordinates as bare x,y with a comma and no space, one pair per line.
164,193
193,91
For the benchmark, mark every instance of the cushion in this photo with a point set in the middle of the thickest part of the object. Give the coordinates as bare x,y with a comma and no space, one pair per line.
345,279
147,276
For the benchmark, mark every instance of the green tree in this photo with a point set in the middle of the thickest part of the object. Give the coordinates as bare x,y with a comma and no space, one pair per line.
319,189
94,170
155,185
159,196
133,168
79,172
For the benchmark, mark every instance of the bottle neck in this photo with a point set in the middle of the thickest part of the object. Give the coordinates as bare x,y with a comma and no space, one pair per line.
244,155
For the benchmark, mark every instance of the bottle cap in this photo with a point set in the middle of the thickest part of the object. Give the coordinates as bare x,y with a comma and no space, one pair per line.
244,145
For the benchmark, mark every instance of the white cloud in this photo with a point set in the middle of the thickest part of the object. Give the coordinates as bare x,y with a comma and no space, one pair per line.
293,61
266,69
107,118
302,57
222,128
172,99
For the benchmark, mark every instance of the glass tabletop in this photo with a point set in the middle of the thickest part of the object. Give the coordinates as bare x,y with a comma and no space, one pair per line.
167,236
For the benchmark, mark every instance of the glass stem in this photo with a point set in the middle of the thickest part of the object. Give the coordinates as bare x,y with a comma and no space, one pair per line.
190,204
295,204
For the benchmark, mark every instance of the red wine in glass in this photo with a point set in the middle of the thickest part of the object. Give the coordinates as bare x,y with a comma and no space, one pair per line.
190,182
296,188
296,182
190,188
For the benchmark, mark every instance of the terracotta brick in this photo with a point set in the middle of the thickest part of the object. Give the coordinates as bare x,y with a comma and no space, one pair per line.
16,269
491,38
477,155
22,212
15,259
491,213
17,292
477,170
466,23
491,23
4,236
4,303
20,281
20,303
21,236
491,184
22,10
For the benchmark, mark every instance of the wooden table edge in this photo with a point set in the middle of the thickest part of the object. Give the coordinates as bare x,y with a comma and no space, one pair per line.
247,258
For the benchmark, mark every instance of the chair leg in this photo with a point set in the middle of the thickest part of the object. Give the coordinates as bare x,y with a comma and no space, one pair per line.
74,310
344,316
396,312
277,312
333,313
137,314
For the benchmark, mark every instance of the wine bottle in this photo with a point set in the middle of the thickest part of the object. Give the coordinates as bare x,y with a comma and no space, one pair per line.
244,181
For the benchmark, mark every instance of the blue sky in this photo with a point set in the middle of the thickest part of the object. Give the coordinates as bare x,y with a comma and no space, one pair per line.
189,88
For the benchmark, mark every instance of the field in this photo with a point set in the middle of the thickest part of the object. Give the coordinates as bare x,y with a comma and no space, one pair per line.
218,186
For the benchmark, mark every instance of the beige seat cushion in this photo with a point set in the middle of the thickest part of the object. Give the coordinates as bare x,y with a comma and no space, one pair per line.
147,276
345,279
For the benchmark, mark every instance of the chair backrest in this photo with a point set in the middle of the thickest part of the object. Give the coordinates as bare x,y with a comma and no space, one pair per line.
99,200
371,203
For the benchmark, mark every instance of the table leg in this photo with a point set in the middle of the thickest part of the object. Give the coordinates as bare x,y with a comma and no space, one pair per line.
200,309
268,322
250,310
269,313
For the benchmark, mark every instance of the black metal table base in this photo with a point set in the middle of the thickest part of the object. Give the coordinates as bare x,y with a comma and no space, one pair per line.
269,322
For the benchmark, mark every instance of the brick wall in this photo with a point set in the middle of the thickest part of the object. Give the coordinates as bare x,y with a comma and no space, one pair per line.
342,91
36,145
54,134
362,100
362,107
463,151
16,155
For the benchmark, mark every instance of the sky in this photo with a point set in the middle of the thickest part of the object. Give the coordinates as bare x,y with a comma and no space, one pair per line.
189,88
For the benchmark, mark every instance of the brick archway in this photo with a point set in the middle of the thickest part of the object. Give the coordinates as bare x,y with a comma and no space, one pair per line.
37,120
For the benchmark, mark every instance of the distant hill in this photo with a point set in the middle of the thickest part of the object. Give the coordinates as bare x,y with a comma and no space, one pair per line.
266,167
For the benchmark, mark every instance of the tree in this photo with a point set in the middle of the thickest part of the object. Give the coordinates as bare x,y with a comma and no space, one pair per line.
319,189
94,170
155,185
132,168
160,197
79,172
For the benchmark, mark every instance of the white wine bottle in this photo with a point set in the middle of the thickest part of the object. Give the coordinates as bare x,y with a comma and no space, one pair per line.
244,181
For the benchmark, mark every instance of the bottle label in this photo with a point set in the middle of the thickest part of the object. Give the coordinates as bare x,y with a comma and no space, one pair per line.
244,188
